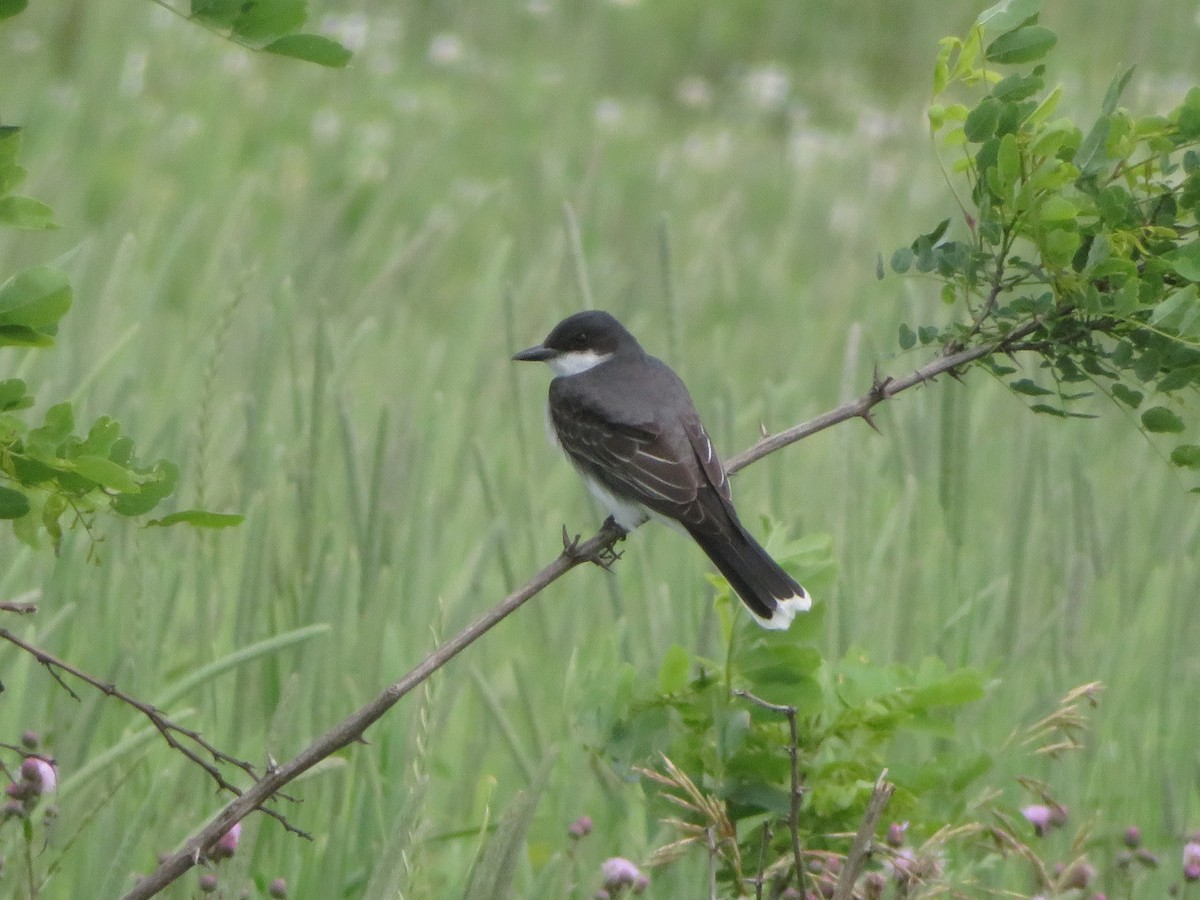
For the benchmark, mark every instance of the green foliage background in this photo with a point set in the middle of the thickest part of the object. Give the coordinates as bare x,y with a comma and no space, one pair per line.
305,284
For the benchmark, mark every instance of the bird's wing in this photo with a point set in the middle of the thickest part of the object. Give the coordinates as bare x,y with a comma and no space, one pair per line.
671,468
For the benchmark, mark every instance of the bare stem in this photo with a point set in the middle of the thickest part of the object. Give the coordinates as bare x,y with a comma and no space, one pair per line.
860,850
797,781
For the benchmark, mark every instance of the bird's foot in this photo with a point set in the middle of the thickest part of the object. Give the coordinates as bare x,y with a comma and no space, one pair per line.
610,524
603,556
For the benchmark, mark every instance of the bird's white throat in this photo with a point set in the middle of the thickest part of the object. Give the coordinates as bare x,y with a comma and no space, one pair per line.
576,361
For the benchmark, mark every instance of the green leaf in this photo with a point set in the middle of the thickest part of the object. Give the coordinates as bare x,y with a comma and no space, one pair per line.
1017,87
1186,456
981,121
1127,395
902,260
163,478
1189,115
262,20
1159,419
908,338
1021,46
35,299
13,504
311,48
1008,163
1056,208
673,673
1177,302
1115,89
199,518
1186,260
1090,157
1029,388
26,213
107,473
9,8
13,395
20,336
1008,14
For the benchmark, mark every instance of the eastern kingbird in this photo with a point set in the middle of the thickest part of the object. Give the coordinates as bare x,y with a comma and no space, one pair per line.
627,424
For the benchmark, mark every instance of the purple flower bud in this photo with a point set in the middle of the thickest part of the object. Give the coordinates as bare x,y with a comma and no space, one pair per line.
602,894
1039,816
790,893
278,889
1147,858
40,772
641,883
1133,837
227,844
208,883
618,872
580,828
1058,815
903,864
1078,875
29,740
873,886
895,834
1191,861
19,790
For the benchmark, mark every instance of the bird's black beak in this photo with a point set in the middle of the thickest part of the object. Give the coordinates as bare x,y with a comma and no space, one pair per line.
535,354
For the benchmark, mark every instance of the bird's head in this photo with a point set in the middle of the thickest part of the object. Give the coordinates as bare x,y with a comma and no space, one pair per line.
580,342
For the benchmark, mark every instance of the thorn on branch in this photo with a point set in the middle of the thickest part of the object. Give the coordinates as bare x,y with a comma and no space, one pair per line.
879,386
866,416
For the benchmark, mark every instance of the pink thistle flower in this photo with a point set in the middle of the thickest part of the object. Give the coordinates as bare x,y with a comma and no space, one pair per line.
41,772
580,828
1039,816
227,844
618,872
1191,860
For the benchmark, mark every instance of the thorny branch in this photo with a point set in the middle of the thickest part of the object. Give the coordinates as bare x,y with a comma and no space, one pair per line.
351,729
797,782
171,731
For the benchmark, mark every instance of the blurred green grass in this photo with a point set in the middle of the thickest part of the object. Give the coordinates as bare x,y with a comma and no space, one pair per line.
305,286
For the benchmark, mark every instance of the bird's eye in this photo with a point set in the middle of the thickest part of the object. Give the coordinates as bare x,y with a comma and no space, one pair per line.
580,340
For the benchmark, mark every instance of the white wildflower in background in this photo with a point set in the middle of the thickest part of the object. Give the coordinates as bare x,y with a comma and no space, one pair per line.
694,93
349,30
608,113
767,87
446,49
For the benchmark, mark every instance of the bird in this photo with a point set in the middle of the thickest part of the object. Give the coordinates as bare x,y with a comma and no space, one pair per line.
627,424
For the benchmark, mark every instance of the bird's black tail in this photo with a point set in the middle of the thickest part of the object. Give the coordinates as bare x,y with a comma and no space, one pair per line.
771,594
